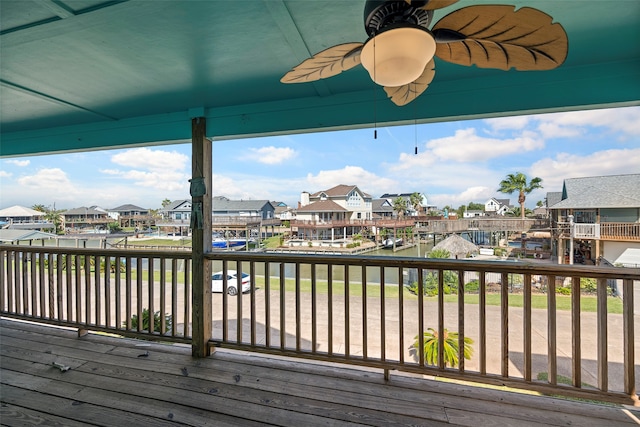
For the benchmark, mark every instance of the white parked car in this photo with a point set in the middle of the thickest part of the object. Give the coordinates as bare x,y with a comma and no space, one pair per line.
232,282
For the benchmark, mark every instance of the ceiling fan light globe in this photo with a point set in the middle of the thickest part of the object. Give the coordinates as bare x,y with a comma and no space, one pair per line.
398,56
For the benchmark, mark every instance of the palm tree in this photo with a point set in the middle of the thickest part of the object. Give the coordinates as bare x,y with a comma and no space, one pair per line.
450,347
55,217
416,201
399,206
518,182
39,208
516,212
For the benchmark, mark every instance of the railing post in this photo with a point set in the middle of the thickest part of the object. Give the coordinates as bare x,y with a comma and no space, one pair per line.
201,183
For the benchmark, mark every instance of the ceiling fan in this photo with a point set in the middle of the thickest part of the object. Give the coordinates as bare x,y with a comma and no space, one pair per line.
399,51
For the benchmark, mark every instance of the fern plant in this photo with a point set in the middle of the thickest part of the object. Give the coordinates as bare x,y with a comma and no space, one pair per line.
450,348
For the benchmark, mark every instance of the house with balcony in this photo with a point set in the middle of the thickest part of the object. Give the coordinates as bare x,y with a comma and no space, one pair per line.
495,206
596,217
86,218
341,211
223,207
22,217
410,209
382,209
129,215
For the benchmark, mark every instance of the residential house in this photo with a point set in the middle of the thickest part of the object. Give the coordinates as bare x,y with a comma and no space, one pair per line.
356,204
473,213
92,217
602,213
495,206
23,218
410,209
175,218
259,209
178,211
131,216
342,210
382,209
280,208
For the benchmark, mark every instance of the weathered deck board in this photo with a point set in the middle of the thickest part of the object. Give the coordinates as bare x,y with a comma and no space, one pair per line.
114,381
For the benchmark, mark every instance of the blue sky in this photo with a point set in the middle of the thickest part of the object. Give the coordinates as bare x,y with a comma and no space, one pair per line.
457,163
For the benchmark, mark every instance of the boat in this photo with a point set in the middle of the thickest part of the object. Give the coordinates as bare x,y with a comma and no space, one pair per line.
390,243
221,243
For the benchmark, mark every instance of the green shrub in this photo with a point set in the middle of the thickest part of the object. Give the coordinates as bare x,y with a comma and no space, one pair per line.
156,321
472,286
430,288
450,347
588,285
499,251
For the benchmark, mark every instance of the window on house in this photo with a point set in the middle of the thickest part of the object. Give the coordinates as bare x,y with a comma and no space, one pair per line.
585,217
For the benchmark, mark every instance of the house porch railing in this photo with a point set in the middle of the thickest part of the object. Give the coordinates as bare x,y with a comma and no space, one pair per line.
550,328
623,231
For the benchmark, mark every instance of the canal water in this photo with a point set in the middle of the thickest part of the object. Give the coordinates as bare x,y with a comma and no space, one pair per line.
355,273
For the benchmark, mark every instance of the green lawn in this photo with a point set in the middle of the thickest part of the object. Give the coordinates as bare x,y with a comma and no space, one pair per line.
186,242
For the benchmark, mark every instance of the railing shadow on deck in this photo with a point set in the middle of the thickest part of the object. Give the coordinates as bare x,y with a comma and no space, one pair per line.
351,309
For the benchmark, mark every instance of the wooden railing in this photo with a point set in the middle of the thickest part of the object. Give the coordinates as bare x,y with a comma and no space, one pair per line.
103,290
358,310
624,231
620,231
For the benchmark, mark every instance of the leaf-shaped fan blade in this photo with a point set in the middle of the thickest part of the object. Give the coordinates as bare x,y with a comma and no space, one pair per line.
327,63
499,37
402,95
431,4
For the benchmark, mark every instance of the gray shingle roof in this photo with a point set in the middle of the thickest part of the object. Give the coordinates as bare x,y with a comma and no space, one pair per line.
614,191
128,208
322,206
339,191
224,204
553,197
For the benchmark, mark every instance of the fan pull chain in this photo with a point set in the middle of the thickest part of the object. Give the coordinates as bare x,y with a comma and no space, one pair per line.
415,129
375,97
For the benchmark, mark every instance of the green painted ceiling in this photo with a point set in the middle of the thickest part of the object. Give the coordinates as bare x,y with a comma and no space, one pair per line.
82,74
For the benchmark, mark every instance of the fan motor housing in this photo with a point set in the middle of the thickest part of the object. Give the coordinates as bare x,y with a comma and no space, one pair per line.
380,14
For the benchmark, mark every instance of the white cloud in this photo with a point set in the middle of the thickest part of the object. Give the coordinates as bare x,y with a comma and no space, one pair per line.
479,194
47,186
47,179
509,123
5,174
248,187
550,129
606,117
564,165
161,170
168,180
20,163
271,155
351,175
573,123
154,160
466,146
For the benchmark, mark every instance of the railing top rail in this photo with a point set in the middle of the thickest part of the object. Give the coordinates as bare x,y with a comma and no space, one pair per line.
131,253
520,267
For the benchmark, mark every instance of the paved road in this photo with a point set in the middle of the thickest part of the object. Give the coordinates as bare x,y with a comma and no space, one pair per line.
391,338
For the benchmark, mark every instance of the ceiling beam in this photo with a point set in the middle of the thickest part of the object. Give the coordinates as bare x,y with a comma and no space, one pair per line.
59,8
282,17
44,96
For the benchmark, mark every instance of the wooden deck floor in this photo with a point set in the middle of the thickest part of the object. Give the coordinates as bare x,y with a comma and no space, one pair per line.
124,382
